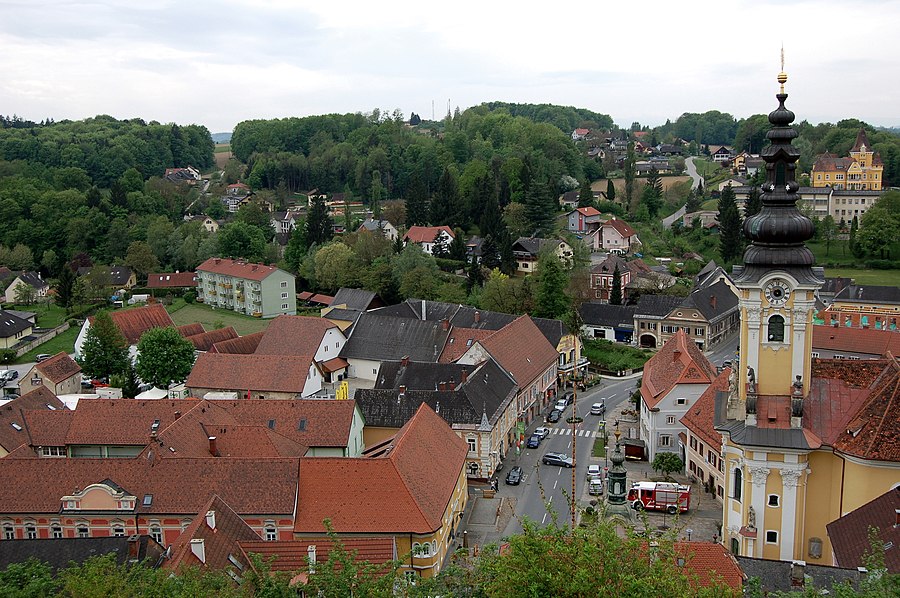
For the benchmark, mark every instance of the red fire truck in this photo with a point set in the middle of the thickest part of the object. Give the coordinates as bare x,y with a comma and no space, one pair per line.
660,496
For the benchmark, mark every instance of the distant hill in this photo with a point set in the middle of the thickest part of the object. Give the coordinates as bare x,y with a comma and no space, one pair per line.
221,137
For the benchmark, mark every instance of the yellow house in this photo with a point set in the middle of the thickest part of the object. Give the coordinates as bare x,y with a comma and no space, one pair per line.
411,488
804,441
861,171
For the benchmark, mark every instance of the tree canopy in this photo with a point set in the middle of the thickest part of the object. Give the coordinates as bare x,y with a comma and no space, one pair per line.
164,357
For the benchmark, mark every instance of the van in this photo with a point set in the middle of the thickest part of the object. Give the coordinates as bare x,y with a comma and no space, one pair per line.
42,357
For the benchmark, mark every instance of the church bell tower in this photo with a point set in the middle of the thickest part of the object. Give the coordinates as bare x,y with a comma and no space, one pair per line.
776,283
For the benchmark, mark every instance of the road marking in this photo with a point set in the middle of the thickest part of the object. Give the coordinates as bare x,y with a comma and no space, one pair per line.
544,519
555,483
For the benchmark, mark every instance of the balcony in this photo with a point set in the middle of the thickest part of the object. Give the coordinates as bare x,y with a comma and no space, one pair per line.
212,292
572,365
227,285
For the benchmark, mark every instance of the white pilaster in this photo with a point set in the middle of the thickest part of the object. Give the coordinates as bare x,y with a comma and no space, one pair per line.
758,477
790,479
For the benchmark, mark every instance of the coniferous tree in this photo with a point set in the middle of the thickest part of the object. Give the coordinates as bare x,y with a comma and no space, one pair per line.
490,252
65,285
652,194
630,174
445,206
730,237
610,190
458,246
417,203
585,194
754,202
105,350
615,293
538,209
507,259
319,227
439,247
551,300
693,203
854,227
473,275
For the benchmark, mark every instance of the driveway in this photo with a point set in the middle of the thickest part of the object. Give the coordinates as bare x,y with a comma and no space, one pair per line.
696,179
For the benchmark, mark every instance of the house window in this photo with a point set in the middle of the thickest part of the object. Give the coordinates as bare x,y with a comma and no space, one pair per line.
56,531
665,440
284,306
53,451
681,401
270,533
471,443
156,533
30,531
773,500
693,443
776,329
82,531
284,295
670,420
118,530
738,485
283,284
711,458
771,537
698,331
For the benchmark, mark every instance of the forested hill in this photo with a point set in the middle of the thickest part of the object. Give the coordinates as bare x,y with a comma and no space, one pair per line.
103,148
565,118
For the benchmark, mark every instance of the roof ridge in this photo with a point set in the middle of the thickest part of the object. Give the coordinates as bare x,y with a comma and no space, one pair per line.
886,411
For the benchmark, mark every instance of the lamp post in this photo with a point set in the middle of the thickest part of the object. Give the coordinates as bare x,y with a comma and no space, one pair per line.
574,451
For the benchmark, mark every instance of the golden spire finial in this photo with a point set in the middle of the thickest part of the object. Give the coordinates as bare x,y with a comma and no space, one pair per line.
782,76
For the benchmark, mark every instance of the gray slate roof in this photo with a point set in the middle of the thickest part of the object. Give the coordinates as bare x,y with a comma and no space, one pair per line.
419,376
359,299
776,575
719,294
59,552
869,294
10,324
33,279
379,338
656,305
604,314
532,245
751,435
485,392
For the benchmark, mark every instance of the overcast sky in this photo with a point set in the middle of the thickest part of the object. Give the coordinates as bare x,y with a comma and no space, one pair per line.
218,63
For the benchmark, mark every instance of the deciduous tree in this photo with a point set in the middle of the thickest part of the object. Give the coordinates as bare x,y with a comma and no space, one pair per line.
141,259
666,463
164,357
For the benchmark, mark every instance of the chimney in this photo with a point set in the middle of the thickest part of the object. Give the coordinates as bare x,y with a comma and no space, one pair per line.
211,519
404,361
712,301
896,517
798,576
255,267
477,316
134,548
199,549
402,390
311,556
464,375
676,355
217,260
445,324
177,415
443,386
212,447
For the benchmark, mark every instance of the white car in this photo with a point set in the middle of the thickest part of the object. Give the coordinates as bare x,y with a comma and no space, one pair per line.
542,432
594,471
598,408
561,405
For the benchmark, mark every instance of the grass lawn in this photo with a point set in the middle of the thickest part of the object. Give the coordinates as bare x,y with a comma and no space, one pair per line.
183,313
61,342
48,315
222,147
887,278
599,449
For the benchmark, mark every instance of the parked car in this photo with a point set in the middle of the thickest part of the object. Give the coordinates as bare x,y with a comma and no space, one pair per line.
569,397
558,459
554,416
7,375
595,487
514,476
542,432
598,408
534,441
561,405
42,357
594,471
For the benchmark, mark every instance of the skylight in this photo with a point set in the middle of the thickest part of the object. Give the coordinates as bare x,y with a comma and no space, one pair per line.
148,500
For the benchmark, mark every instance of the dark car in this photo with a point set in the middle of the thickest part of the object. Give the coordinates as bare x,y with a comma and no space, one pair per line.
514,476
534,441
569,397
558,459
554,416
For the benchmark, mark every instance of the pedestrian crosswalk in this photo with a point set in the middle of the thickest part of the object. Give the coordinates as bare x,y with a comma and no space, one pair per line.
579,433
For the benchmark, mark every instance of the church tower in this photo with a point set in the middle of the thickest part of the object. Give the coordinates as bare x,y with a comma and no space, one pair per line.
776,283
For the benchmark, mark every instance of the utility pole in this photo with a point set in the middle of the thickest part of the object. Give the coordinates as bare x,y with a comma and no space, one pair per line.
574,441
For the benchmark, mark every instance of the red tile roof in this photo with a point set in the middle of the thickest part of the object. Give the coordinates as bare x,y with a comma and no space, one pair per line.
237,372
236,268
679,361
856,340
219,542
187,330
123,421
873,432
291,555
850,534
205,340
710,563
13,429
134,322
294,335
460,340
621,226
327,422
521,349
178,486
830,162
58,368
699,418
425,234
334,365
171,280
407,490
588,211
243,345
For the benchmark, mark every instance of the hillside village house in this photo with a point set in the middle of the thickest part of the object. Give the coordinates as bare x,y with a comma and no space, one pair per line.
428,236
526,251
673,381
172,280
617,236
132,323
60,374
116,277
251,289
862,171
582,220
30,283
383,227
13,328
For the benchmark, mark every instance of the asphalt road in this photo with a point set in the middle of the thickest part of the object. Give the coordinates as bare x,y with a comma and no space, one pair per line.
545,489
696,179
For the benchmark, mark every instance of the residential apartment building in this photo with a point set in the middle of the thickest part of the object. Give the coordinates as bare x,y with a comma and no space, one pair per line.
252,289
709,315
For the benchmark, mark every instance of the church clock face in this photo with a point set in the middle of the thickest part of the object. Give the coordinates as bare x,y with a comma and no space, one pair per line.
777,292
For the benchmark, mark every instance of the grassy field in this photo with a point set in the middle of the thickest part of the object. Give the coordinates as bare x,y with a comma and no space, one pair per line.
48,315
890,278
61,342
222,147
183,313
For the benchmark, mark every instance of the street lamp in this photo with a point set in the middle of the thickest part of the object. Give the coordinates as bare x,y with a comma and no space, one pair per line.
689,531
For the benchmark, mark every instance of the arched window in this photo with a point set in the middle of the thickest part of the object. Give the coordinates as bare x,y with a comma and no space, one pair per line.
738,484
416,549
118,529
82,530
9,531
270,533
776,329
156,532
30,530
735,546
56,530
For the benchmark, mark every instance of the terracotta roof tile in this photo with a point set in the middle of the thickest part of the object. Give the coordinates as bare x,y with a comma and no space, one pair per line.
135,322
236,372
58,368
236,268
679,361
521,349
13,430
700,416
856,340
243,345
294,335
425,234
460,340
873,432
850,534
291,555
48,428
327,423
171,280
621,226
187,330
204,341
588,211
710,563
219,542
123,421
406,490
